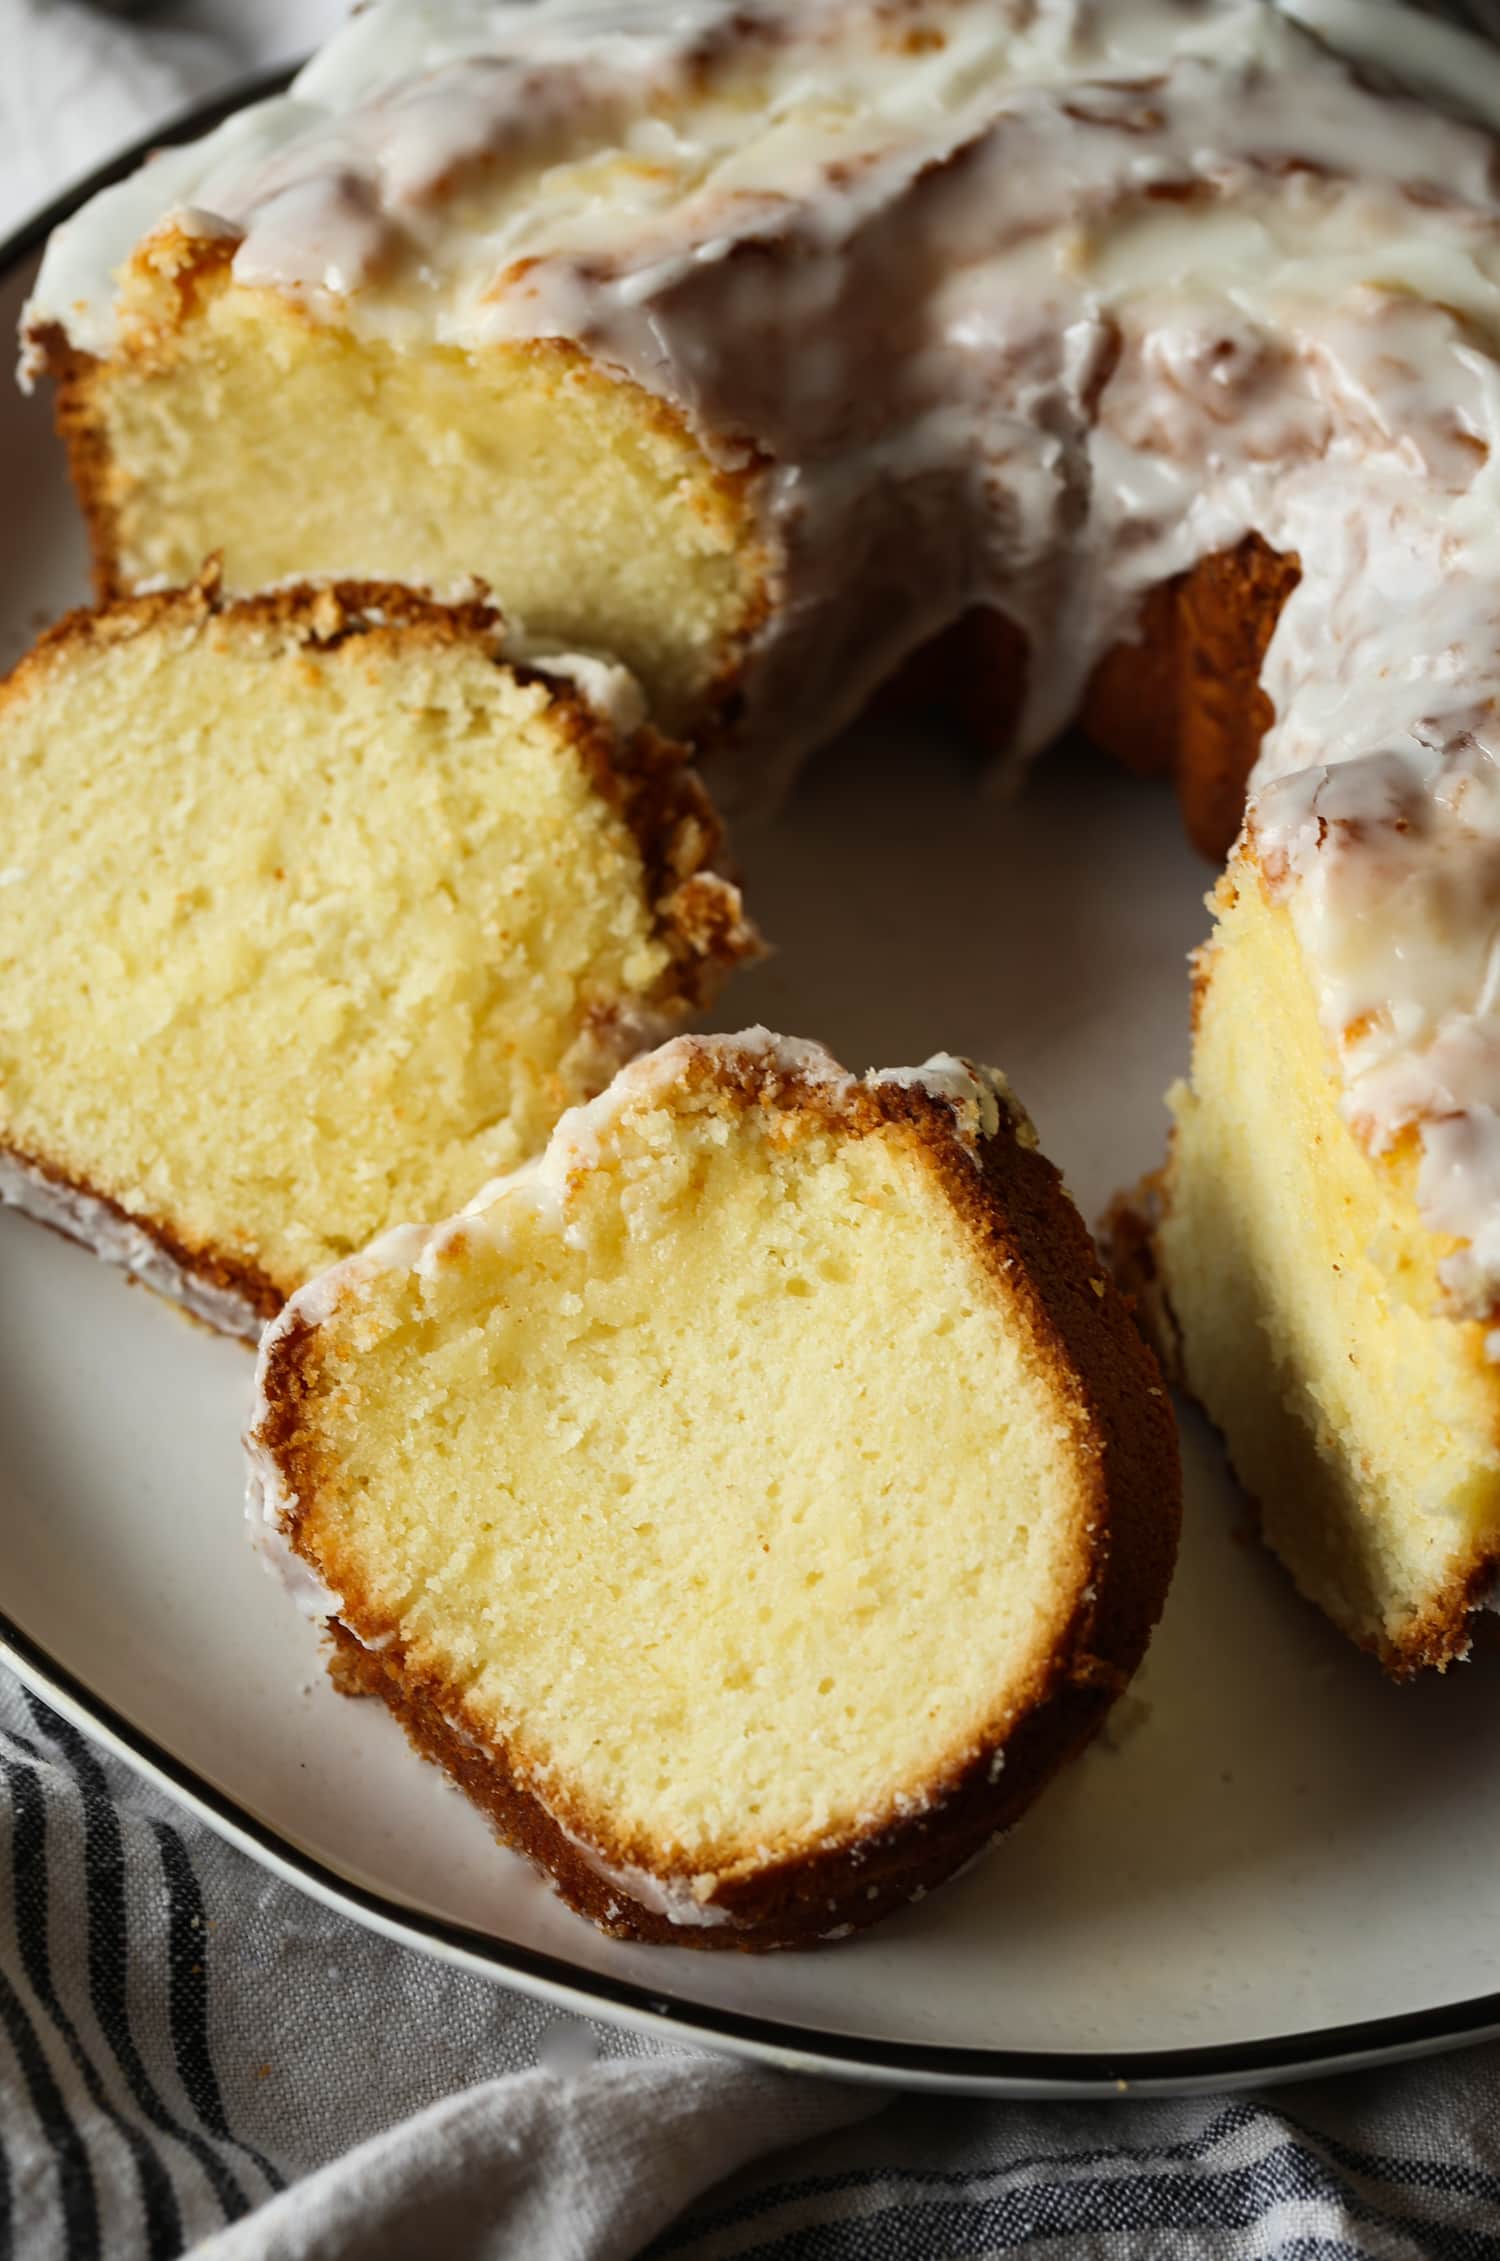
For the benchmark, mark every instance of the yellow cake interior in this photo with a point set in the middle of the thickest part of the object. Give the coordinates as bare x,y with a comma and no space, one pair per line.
1359,1415
742,1452
296,943
585,503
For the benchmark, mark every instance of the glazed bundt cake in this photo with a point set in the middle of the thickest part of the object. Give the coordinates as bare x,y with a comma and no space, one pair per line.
750,1502
1131,361
314,913
758,345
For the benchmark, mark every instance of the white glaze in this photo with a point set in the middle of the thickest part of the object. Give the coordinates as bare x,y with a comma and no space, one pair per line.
609,689
682,1900
123,1242
1031,316
268,1504
979,1096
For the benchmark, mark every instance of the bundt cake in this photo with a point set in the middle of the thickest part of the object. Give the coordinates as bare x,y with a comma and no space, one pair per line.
1136,360
758,345
750,1502
314,913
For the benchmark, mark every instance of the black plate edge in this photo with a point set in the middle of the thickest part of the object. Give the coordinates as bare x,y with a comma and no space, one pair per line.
1040,2073
851,2056
186,125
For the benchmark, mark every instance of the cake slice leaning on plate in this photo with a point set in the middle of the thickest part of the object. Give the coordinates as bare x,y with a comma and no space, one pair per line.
1322,1241
315,912
750,1503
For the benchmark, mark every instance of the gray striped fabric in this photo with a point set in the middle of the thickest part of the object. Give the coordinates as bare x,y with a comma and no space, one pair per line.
184,2042
195,2057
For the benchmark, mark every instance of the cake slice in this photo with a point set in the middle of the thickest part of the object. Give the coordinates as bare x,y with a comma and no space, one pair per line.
314,914
750,1503
1315,1310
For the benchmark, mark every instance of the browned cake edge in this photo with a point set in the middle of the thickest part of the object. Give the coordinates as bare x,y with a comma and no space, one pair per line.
1031,1238
81,430
1180,697
648,779
232,1296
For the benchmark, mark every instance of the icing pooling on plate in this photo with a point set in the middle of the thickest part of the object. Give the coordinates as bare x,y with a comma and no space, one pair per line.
1017,303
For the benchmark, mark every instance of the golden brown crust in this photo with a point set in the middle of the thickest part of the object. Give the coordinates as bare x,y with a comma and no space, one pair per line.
1444,1633
681,839
323,615
1037,1245
1186,697
796,1904
1228,608
645,777
1132,707
1180,698
1031,1240
1127,1242
81,431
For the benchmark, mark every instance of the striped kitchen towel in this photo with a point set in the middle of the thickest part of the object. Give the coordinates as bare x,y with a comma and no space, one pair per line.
191,2051
193,2056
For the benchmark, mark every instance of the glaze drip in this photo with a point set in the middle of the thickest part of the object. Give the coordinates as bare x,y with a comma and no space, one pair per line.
1022,304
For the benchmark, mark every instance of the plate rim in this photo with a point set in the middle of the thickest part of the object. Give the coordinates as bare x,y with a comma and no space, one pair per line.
998,2072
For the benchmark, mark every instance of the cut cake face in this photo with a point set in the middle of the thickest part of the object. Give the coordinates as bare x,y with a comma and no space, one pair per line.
750,1503
317,913
1303,1301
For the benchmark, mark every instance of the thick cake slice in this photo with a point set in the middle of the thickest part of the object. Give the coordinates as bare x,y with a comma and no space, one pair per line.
750,1503
315,913
1320,1318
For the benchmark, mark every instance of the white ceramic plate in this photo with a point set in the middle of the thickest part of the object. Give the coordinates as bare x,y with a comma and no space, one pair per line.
1275,1861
